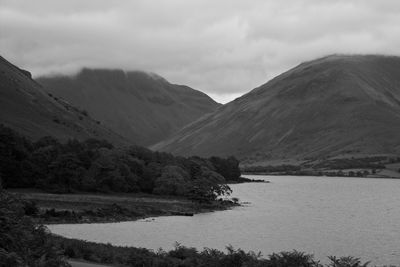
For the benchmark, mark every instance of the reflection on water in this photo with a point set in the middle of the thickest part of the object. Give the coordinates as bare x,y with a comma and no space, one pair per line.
319,215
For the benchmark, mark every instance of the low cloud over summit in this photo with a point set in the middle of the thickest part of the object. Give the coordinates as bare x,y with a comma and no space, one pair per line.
223,48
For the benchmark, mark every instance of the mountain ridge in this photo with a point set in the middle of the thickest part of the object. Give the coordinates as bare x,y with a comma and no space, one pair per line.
28,109
144,107
329,106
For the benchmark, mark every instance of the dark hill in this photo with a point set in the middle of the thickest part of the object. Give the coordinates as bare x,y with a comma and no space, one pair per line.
143,107
28,109
330,106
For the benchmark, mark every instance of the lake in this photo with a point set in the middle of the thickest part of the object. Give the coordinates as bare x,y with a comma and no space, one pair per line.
319,215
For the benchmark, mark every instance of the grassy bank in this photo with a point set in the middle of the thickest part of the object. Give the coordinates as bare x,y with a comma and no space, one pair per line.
86,208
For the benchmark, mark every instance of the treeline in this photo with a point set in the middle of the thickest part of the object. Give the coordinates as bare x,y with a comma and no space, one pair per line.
270,169
353,163
297,171
319,168
96,166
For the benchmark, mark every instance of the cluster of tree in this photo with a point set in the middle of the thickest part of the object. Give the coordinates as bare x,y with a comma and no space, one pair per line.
186,256
372,163
296,170
23,243
95,165
339,173
271,169
352,163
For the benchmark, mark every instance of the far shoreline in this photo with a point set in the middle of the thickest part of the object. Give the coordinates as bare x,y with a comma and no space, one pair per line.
324,176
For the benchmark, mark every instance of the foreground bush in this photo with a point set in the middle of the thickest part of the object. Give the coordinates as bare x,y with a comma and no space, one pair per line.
185,256
23,243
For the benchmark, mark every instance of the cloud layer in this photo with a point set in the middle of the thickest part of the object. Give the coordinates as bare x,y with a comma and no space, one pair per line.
224,48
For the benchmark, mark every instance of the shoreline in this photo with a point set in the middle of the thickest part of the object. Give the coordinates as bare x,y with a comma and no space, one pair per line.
79,208
133,219
315,175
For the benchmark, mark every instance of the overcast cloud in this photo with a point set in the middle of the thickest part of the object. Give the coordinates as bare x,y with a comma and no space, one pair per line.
221,47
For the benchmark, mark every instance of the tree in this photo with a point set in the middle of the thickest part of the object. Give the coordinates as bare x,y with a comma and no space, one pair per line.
65,174
228,168
208,186
173,181
151,172
14,149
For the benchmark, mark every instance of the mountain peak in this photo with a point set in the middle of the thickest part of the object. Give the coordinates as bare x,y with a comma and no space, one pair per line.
116,73
142,106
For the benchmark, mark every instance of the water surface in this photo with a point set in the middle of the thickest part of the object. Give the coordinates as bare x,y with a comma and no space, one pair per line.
319,215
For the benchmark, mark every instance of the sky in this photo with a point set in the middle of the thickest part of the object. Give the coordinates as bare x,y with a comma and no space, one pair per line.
224,48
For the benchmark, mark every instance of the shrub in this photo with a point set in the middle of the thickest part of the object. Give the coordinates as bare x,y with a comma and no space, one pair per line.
292,259
348,261
23,243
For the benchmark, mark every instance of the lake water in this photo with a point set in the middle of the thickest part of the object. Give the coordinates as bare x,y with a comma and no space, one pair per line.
318,215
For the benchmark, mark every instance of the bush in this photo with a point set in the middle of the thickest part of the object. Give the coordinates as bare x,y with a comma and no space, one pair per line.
348,261
30,208
23,243
292,259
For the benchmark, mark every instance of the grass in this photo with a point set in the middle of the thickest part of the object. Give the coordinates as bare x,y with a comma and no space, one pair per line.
75,263
84,207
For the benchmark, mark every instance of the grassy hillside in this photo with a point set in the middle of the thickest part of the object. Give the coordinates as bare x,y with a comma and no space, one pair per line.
143,107
27,108
337,105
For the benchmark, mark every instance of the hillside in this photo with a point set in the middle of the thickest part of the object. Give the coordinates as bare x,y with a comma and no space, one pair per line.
143,107
336,105
28,109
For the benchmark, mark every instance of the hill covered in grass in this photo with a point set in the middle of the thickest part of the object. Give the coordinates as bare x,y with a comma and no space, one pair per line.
143,107
336,105
27,108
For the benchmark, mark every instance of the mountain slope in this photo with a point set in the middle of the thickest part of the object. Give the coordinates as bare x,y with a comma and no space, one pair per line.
28,109
330,106
142,107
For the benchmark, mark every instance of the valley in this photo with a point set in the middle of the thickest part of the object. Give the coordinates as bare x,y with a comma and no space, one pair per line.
71,164
199,133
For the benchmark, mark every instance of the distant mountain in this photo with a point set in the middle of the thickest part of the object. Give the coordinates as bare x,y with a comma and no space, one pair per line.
28,109
336,105
143,107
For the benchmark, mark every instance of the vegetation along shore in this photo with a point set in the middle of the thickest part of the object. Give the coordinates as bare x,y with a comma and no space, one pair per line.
383,166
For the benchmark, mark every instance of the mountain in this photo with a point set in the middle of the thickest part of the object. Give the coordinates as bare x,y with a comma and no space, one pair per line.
143,107
336,105
28,109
